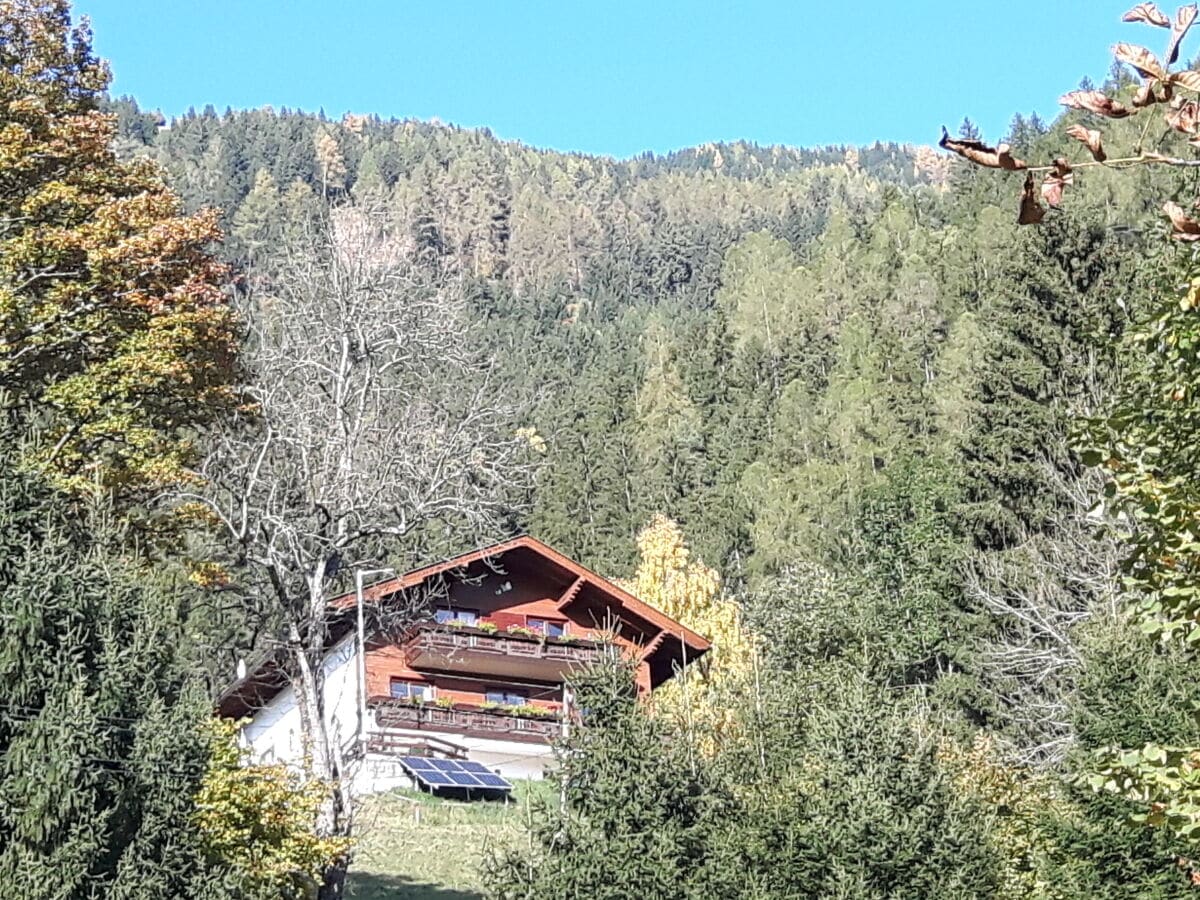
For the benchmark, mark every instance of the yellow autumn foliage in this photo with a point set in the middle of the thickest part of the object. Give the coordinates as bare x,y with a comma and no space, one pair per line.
115,324
687,590
1021,799
260,819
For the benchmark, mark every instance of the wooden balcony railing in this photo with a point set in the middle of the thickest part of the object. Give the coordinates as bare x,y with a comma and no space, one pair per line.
465,719
474,649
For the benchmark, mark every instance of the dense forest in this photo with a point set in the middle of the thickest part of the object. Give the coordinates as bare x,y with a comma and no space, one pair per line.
923,475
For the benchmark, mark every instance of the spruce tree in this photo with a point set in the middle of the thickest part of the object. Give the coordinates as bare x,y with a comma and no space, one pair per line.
636,811
100,743
1129,691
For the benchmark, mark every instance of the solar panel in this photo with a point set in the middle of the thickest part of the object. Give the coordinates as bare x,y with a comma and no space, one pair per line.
494,781
444,773
419,763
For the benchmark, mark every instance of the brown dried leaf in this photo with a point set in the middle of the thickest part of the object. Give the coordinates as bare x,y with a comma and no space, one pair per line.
1055,182
1185,117
1186,228
1032,211
1144,96
981,154
1091,138
1188,79
1183,21
1148,13
1096,102
1143,61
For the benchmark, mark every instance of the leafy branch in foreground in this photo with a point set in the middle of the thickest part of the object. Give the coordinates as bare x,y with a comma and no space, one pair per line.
1160,87
1148,441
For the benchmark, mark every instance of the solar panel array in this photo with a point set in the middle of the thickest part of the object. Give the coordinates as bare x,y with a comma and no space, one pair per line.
453,773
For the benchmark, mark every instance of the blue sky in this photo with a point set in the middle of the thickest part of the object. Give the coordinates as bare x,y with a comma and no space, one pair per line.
622,76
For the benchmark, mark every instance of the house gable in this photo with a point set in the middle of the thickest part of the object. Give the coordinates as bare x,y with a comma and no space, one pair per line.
511,585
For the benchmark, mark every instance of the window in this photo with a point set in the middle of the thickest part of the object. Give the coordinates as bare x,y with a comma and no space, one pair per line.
457,614
548,627
410,690
507,697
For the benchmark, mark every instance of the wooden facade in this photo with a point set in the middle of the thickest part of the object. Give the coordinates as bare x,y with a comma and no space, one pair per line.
487,660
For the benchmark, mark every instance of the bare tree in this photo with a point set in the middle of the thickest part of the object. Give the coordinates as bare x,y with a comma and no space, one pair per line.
1039,592
375,434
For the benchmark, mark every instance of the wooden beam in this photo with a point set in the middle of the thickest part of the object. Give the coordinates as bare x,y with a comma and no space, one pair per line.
649,649
570,593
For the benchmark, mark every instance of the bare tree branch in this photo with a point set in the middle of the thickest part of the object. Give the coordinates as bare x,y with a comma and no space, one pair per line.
375,436
1039,593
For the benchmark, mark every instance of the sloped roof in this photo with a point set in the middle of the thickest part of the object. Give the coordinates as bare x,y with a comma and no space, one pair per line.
266,676
620,597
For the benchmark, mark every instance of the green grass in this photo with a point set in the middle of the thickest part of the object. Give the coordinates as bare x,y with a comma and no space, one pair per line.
411,846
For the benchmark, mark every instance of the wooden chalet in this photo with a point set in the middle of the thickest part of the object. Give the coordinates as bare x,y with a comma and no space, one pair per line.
482,677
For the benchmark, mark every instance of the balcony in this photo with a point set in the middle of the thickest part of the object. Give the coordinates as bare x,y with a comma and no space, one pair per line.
464,718
478,651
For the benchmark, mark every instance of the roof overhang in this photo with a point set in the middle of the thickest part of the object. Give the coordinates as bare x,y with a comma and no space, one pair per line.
673,645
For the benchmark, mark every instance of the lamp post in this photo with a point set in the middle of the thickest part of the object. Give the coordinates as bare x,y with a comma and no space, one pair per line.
359,575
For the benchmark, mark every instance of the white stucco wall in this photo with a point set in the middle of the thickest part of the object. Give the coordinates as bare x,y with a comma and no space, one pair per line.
273,733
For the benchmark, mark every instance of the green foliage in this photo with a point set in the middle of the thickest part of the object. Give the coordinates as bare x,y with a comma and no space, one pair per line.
845,795
851,382
100,743
636,813
1128,692
115,333
259,820
1018,802
1047,354
1148,446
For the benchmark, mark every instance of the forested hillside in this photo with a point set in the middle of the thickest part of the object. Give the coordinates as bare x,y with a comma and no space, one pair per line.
923,476
746,339
844,373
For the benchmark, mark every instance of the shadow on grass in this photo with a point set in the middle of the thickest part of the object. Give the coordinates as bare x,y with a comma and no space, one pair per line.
369,886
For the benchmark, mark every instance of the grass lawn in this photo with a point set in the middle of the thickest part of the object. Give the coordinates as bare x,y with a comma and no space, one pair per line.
411,846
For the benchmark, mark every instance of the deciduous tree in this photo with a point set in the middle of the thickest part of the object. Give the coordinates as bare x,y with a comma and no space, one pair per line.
374,435
115,333
690,593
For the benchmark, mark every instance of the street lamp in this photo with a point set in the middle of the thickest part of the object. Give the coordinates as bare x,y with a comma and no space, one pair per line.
359,574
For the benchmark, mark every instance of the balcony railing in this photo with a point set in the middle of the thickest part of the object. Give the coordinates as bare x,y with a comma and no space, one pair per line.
390,742
472,649
465,719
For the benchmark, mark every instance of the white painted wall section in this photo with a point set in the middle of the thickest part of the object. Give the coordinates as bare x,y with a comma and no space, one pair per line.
273,734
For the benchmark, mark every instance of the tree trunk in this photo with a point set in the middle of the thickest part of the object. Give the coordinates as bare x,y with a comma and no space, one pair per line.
334,815
334,887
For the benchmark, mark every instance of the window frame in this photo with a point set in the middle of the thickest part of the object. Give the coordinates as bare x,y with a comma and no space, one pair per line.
427,695
508,696
543,625
465,614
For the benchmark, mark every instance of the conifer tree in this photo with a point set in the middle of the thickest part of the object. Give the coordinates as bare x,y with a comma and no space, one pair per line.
636,815
101,747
